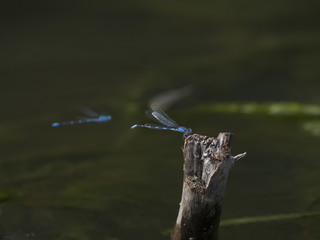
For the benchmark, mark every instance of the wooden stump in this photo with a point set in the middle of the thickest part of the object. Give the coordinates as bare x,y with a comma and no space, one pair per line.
207,162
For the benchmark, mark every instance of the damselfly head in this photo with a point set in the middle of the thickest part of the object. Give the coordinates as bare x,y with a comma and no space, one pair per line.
187,132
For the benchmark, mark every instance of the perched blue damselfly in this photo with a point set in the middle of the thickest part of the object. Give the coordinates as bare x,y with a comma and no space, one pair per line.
166,122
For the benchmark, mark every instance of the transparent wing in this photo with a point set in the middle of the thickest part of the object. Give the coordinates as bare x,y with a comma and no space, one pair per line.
149,114
89,112
83,118
162,117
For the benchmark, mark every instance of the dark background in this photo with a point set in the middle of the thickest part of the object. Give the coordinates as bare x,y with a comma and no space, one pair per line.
105,181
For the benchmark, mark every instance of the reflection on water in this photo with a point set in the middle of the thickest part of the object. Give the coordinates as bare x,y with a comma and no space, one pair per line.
103,181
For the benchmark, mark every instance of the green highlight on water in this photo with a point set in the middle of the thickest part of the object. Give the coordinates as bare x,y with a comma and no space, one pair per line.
7,195
281,109
270,218
258,219
274,109
312,127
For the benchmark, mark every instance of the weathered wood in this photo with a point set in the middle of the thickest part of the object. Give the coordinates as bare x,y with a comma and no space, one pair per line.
207,162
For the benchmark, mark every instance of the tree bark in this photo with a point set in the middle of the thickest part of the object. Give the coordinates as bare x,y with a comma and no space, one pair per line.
207,162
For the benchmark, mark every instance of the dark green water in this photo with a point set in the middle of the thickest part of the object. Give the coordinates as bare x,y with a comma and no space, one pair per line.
105,181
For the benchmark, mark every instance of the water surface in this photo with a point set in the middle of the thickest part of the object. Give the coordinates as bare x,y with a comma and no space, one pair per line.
105,181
